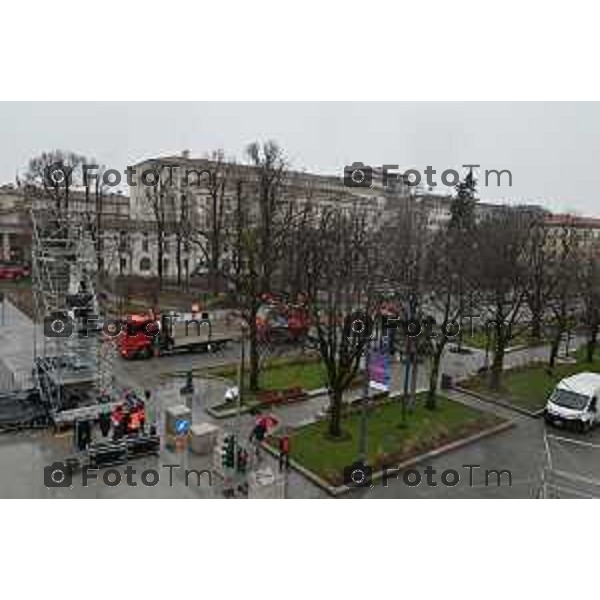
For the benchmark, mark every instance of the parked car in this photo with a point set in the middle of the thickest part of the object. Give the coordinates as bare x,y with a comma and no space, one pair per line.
574,401
14,272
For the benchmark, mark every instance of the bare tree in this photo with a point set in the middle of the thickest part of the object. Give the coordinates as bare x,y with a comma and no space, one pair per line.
541,280
341,260
210,237
269,163
160,199
256,234
501,276
448,277
405,240
55,176
589,289
460,232
563,299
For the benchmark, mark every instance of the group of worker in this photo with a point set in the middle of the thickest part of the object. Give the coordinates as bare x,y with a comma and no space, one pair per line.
126,418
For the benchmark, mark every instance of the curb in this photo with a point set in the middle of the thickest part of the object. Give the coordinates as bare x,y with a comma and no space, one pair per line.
529,413
232,412
340,490
226,414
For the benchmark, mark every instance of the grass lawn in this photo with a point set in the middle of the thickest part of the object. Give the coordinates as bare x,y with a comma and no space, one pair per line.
478,339
282,373
530,386
388,443
278,374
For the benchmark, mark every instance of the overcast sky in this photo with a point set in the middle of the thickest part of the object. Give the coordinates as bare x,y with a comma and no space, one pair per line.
551,148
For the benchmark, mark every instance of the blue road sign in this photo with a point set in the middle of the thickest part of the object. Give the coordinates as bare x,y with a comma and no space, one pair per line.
182,426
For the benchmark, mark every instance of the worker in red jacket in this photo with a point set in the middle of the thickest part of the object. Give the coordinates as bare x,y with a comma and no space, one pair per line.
117,419
284,452
134,423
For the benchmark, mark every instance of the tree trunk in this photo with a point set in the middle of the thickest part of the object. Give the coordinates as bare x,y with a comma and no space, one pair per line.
536,325
433,379
160,260
254,362
554,346
591,345
459,341
178,258
497,363
414,376
213,267
335,417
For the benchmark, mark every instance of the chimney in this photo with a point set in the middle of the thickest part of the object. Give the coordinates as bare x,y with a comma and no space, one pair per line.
185,154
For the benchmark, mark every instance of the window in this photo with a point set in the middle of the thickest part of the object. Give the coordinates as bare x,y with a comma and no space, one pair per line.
122,265
165,266
145,264
145,243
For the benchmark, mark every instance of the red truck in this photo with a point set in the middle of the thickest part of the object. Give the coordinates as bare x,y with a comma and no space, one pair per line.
281,321
13,272
147,335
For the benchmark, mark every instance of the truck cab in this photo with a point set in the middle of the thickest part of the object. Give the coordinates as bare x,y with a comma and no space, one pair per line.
574,402
137,336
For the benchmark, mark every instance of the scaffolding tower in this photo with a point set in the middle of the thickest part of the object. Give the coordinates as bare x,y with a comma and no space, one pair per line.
73,361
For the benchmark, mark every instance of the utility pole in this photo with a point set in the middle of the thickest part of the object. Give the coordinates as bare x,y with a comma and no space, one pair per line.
240,379
408,356
362,440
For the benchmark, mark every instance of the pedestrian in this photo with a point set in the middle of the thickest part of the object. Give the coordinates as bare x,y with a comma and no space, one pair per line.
284,452
134,422
142,415
104,423
258,435
84,434
126,421
117,419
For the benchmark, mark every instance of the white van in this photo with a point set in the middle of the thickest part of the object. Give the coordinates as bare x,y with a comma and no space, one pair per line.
575,401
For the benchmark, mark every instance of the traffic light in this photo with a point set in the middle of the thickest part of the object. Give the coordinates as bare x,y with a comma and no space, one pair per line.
228,452
242,460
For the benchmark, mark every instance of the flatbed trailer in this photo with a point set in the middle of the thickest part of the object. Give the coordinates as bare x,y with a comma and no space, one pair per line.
179,347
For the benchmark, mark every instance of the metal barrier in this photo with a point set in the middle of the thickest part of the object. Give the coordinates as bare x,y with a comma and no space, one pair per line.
11,381
571,469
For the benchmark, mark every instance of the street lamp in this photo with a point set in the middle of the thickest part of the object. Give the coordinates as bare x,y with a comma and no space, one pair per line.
362,440
238,411
411,313
187,391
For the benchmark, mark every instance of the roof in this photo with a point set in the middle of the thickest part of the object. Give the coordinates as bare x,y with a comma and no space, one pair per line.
583,383
565,220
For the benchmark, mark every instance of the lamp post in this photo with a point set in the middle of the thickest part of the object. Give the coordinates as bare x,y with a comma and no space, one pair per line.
362,440
187,391
412,305
240,377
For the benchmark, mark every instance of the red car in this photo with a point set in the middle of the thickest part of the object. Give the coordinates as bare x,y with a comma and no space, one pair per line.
13,272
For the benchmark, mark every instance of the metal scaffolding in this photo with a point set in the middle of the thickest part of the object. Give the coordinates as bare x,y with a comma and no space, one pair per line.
73,366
